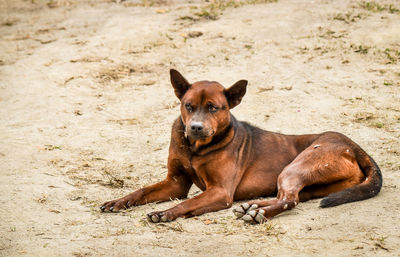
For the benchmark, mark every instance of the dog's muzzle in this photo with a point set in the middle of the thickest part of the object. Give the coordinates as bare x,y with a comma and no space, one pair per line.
196,130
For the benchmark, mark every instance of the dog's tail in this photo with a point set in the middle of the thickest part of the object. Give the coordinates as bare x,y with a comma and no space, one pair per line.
370,187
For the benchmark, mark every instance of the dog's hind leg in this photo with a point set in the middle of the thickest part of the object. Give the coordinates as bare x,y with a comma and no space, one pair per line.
320,170
288,198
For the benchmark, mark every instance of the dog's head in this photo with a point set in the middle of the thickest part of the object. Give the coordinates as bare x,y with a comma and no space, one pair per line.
205,105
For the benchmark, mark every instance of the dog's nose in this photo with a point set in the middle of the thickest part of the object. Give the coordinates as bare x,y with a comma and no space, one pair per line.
196,126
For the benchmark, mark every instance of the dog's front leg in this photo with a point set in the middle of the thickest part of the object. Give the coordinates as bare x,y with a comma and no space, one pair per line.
171,188
213,199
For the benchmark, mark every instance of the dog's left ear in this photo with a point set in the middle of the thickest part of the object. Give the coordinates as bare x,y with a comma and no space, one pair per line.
180,84
235,93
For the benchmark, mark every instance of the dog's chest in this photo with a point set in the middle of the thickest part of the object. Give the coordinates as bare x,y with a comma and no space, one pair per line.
196,169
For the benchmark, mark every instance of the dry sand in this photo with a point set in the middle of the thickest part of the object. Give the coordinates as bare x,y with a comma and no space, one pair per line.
86,109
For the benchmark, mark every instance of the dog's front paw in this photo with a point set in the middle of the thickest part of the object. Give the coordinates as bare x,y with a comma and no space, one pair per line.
255,216
156,217
243,209
115,205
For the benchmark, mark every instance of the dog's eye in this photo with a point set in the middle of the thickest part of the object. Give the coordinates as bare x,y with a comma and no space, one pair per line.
212,108
189,107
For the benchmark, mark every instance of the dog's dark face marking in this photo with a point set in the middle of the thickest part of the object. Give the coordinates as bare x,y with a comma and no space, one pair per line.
205,105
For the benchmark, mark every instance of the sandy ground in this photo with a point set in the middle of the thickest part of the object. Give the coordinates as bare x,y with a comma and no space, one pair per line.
86,109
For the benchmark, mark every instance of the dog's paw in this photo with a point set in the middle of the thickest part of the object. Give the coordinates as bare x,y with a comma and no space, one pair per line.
156,217
255,216
243,209
115,205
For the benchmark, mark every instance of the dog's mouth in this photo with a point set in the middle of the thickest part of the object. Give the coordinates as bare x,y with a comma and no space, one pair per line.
200,135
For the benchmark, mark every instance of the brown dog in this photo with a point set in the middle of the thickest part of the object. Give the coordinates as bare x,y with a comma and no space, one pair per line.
231,160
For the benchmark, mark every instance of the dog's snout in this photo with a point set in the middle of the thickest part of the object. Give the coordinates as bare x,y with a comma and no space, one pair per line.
196,126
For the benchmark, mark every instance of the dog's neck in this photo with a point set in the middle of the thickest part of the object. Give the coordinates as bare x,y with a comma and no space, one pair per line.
219,140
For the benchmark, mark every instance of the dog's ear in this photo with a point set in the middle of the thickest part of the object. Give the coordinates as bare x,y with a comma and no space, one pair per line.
235,93
180,84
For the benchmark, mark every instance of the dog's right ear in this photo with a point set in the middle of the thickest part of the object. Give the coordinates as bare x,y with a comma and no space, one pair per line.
180,84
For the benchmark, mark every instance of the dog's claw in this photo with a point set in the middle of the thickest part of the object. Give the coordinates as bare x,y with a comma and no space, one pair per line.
239,212
164,218
252,213
239,209
102,208
244,209
260,218
253,207
254,216
155,217
247,218
111,209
